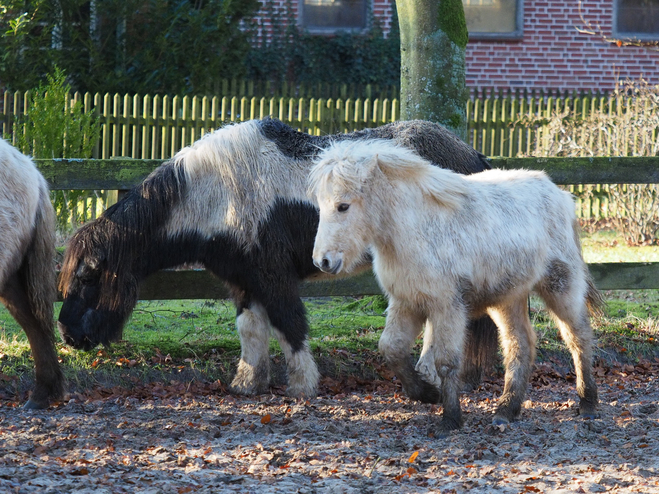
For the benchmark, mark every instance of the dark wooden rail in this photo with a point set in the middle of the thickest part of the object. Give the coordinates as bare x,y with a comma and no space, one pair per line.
124,173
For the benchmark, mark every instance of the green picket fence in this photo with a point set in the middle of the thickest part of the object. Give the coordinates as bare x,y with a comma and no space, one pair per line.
155,127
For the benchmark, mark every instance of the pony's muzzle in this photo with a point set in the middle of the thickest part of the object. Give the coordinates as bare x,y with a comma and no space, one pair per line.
329,262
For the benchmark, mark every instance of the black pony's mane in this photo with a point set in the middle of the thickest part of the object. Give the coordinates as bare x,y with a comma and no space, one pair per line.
125,229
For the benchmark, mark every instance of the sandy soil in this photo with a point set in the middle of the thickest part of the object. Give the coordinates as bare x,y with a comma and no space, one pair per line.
358,436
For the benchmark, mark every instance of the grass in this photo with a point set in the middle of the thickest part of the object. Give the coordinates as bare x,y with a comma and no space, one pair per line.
163,338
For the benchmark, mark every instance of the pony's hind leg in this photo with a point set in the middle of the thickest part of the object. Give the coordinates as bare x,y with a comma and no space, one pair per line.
518,341
571,316
253,373
50,381
401,329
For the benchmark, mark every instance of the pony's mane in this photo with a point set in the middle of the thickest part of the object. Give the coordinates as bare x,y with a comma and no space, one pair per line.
352,164
123,231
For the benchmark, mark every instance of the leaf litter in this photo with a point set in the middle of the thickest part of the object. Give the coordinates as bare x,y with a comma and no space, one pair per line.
359,435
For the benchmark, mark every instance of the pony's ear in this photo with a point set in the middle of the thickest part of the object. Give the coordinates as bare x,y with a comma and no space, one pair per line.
369,167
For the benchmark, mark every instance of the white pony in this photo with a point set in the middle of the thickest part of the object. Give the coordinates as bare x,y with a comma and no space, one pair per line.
27,268
447,248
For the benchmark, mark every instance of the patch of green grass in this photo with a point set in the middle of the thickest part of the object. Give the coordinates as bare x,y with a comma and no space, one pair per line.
609,246
200,335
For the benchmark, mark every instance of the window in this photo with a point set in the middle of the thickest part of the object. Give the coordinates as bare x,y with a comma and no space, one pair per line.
637,18
333,15
499,19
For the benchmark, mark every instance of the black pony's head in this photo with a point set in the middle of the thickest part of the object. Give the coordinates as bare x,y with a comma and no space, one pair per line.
99,291
106,259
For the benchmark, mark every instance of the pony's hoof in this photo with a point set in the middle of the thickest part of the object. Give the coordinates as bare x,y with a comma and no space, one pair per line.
589,414
426,393
240,387
499,420
297,392
35,405
450,424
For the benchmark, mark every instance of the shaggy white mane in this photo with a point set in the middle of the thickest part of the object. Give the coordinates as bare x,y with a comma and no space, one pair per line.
350,165
234,175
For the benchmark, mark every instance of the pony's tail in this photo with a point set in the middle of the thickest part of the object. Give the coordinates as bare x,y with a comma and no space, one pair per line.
480,353
40,274
594,300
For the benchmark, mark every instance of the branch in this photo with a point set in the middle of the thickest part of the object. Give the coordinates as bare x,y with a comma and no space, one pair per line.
596,30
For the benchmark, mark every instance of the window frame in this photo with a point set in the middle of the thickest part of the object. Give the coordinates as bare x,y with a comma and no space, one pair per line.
368,7
517,34
628,35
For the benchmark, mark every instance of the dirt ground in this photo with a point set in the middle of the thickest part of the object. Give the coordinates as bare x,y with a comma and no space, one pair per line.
357,436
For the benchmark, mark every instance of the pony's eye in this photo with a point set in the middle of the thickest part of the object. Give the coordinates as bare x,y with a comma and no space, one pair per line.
343,207
87,280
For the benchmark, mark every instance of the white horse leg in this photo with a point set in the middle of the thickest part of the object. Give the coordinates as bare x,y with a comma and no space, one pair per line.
426,364
571,316
443,348
401,329
253,374
518,341
303,373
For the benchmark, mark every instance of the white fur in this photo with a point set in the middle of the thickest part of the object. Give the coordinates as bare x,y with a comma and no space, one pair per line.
253,373
19,200
449,247
234,175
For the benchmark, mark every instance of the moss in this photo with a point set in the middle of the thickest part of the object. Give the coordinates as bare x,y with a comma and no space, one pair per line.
456,121
451,20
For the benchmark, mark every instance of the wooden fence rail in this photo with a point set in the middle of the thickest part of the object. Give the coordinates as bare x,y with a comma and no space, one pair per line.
188,284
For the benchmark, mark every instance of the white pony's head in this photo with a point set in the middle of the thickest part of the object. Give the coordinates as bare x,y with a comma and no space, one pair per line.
359,185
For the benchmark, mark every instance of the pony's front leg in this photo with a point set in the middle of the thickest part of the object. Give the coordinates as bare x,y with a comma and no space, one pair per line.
443,347
402,327
253,373
288,319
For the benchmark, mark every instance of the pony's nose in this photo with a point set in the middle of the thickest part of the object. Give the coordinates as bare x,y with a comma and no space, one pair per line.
329,263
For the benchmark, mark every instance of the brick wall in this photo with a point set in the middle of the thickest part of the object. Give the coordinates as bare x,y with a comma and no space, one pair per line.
554,55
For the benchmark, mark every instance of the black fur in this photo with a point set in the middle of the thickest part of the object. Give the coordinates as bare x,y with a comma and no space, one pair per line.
413,135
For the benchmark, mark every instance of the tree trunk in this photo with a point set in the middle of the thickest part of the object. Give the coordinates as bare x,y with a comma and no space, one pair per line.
433,40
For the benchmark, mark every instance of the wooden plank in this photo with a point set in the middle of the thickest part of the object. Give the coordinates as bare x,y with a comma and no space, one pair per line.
107,174
124,173
201,284
625,275
598,170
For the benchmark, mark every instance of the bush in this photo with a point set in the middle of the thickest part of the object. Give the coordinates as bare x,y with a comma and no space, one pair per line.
298,57
54,127
628,128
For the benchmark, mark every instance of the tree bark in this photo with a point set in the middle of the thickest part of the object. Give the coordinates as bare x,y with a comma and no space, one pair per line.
433,38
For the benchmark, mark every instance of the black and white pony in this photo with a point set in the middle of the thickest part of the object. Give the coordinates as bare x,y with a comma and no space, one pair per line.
235,201
27,269
447,248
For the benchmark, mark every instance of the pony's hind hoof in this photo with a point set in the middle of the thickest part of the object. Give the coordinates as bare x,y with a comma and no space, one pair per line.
35,405
425,393
499,420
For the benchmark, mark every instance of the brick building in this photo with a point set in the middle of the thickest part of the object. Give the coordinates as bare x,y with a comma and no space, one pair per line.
532,44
